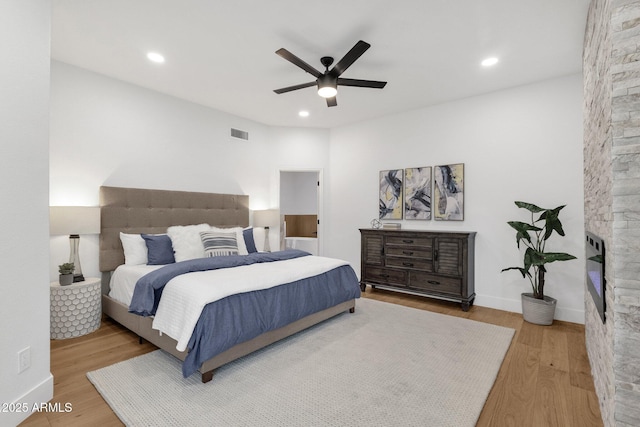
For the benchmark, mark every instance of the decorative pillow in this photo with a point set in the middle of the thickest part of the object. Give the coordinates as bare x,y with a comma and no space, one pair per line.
242,247
135,249
186,241
159,248
247,233
219,244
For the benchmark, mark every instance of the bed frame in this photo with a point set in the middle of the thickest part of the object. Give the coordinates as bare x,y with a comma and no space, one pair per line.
133,210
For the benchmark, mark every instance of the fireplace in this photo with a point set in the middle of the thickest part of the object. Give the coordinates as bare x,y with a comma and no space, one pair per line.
595,272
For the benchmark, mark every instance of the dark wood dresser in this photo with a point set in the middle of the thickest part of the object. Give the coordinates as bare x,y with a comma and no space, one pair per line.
438,264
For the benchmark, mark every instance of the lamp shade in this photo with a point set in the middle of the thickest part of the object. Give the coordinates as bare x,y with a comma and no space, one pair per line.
266,218
74,220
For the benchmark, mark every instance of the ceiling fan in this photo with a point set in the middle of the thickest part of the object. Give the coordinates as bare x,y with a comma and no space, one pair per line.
328,81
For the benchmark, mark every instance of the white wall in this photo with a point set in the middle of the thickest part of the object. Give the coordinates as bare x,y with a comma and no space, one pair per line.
107,132
519,144
24,213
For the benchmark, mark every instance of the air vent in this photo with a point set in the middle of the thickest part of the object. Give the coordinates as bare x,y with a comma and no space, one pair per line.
236,133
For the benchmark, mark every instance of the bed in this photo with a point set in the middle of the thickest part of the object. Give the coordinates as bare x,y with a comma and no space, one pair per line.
152,212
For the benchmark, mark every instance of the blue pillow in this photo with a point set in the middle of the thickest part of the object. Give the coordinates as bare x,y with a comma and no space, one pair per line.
248,240
159,248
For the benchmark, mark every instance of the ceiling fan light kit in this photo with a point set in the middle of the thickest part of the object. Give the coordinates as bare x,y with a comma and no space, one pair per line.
327,86
328,81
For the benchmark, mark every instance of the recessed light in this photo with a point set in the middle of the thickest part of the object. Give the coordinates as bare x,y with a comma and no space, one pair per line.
489,62
303,113
155,57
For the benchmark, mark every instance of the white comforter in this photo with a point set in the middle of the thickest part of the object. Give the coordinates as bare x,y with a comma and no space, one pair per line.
124,279
185,296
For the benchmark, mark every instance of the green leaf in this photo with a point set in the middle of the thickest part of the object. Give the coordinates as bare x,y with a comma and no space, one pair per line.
552,222
529,206
532,257
522,271
522,230
523,226
556,256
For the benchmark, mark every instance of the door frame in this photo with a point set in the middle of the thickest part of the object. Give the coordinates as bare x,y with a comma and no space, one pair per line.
320,204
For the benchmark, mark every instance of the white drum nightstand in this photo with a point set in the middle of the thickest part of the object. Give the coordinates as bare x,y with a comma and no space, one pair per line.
76,309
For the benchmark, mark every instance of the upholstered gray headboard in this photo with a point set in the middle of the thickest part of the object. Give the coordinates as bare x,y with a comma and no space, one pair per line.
135,210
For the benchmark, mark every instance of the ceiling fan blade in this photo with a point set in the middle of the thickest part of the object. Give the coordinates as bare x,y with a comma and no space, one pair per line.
361,83
351,56
296,87
299,62
331,102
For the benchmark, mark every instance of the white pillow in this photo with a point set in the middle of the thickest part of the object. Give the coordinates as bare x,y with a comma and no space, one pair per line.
135,249
258,238
186,241
242,246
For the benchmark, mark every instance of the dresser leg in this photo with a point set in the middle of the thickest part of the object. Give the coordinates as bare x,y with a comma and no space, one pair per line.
363,287
466,305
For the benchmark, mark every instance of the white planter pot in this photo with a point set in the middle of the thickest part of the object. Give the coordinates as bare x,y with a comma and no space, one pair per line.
538,311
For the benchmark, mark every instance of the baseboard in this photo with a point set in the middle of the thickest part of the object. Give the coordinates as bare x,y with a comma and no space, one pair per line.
41,393
562,313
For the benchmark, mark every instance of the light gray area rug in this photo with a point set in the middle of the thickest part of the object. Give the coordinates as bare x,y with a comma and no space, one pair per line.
384,365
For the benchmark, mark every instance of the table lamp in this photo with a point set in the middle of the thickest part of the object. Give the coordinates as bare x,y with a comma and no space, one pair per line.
266,218
74,221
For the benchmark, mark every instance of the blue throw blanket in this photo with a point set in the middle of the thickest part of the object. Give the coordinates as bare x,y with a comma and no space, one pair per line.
148,290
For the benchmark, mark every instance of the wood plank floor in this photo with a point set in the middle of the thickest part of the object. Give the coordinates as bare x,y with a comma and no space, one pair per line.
545,379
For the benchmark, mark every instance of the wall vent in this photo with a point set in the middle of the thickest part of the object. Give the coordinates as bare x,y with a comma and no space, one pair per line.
236,133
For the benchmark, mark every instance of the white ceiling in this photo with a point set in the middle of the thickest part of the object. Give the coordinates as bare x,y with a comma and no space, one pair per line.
221,53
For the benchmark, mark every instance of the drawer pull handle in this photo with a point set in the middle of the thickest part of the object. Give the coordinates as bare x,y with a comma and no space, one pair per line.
385,276
407,264
433,282
407,241
407,252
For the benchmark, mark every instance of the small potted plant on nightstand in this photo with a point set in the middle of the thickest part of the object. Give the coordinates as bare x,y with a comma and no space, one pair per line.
537,307
66,273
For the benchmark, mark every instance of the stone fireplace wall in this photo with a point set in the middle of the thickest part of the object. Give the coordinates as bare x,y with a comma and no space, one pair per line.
611,66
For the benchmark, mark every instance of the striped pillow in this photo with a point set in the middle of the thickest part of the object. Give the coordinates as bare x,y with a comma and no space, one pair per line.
219,244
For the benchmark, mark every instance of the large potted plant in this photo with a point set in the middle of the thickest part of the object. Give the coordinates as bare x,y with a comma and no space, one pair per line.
536,306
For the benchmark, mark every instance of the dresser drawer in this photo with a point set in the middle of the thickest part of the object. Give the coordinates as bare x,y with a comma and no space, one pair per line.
433,283
385,275
425,253
411,263
426,242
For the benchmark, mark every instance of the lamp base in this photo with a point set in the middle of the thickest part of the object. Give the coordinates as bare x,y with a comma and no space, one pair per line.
74,257
267,248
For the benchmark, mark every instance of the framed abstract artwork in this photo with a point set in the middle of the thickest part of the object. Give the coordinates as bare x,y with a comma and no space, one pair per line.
448,202
417,193
390,202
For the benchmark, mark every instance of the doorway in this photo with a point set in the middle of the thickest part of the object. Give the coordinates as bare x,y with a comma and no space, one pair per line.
300,206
